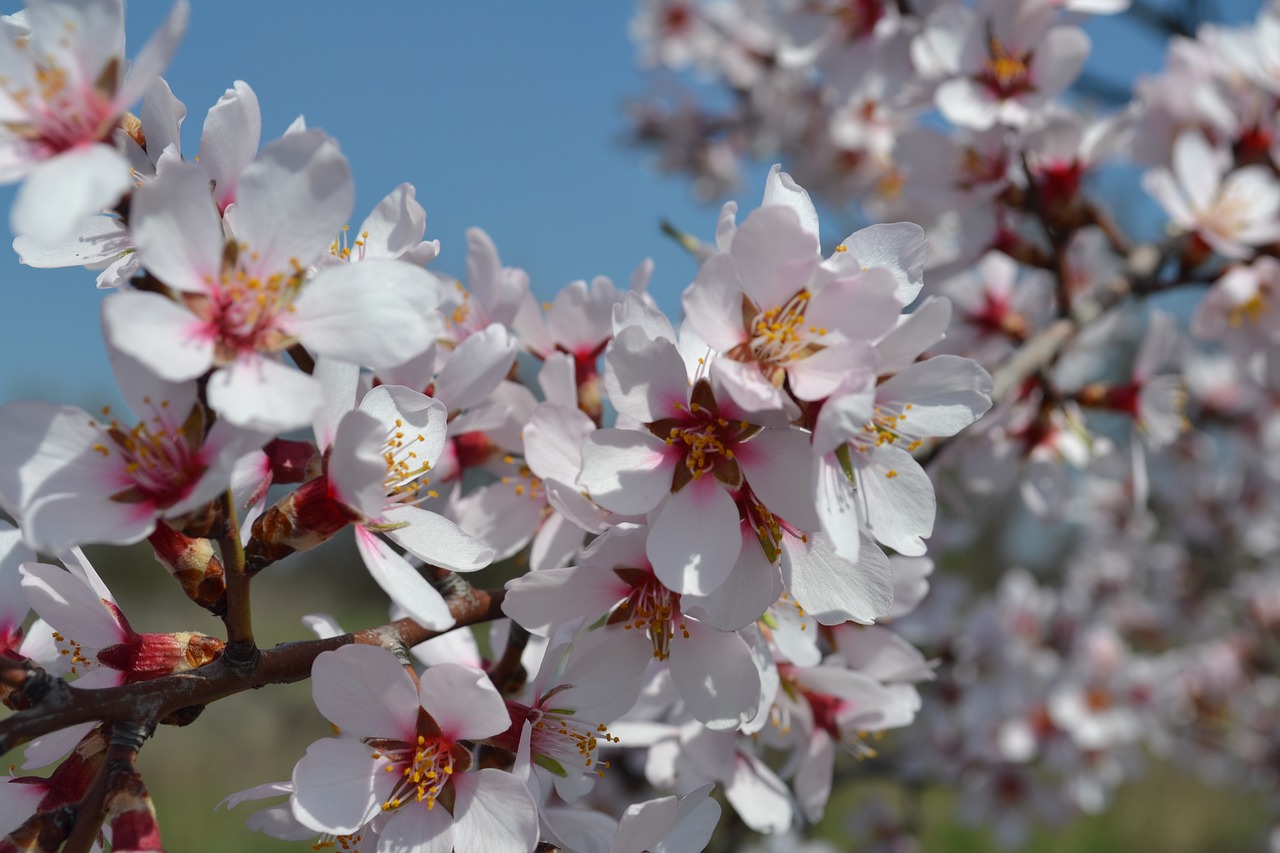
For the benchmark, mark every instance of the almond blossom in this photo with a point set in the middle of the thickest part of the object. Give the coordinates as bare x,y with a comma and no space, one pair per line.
242,302
405,753
64,92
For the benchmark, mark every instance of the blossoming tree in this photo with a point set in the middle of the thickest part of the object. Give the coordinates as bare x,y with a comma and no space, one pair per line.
721,532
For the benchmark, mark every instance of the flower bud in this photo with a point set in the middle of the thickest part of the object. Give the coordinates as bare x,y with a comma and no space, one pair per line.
147,656
301,520
193,564
130,813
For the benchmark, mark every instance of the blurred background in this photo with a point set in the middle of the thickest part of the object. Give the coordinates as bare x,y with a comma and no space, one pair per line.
507,116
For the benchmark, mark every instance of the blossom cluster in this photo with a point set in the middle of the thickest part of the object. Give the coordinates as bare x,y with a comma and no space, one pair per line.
698,514
1127,610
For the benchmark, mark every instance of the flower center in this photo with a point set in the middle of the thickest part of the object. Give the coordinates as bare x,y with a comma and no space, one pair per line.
779,335
651,607
561,736
1250,311
161,458
70,648
1005,73
425,768
704,440
243,306
404,482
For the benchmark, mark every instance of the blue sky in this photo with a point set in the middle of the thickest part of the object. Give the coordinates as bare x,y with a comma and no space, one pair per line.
508,116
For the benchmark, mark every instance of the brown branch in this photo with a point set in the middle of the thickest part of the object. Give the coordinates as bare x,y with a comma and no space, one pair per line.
242,650
283,664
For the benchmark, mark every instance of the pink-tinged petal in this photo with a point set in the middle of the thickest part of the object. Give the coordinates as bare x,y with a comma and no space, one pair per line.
476,367
754,585
540,601
177,229
484,268
774,255
899,247
158,332
53,522
63,190
402,583
463,702
813,777
46,749
18,801
70,606
160,403
1059,57
713,303
366,692
356,468
646,379
49,449
715,676
576,507
758,795
746,386
626,471
154,56
581,318
781,189
695,540
229,139
914,334
553,441
263,394
945,393
436,539
778,463
823,373
833,590
643,824
293,199
900,502
376,313
494,814
862,308
837,506
414,828
395,227
97,238
338,786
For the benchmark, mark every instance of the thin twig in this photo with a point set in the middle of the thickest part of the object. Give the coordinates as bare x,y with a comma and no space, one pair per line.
241,651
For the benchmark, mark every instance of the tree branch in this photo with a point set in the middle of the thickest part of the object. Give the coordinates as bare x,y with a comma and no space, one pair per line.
283,664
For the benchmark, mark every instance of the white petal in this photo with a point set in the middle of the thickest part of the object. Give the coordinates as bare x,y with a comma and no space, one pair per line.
626,471
833,590
402,583
778,464
339,786
294,199
158,332
696,538
366,692
263,394
18,801
97,238
376,313
899,499
494,814
357,469
463,702
437,540
716,677
743,598
63,190
781,188
540,601
646,379
553,441
229,139
758,795
476,367
177,229
414,828
837,505
70,606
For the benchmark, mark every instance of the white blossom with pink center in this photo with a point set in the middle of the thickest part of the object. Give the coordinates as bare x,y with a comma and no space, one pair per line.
242,300
63,91
406,753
